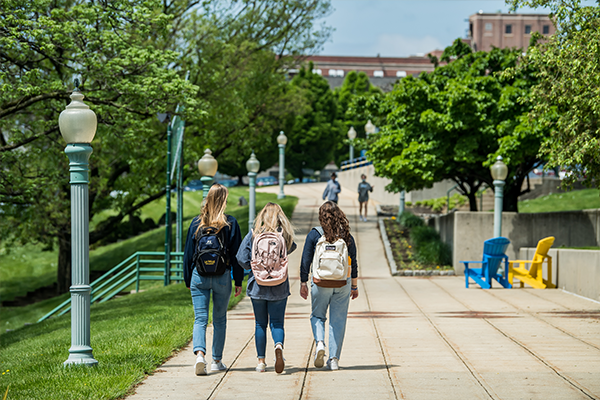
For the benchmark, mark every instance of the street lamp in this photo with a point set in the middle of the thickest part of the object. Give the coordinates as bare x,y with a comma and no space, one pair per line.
351,136
369,128
253,166
207,166
281,141
499,172
77,125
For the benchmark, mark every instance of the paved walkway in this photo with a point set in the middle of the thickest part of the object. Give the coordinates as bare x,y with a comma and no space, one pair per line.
407,338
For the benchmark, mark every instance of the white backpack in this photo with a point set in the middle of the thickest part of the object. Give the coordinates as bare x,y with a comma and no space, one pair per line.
269,259
330,262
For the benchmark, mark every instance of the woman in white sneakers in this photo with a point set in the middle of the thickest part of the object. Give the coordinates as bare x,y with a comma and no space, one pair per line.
264,251
327,249
209,260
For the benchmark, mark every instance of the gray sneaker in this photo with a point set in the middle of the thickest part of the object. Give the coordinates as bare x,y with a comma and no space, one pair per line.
332,364
218,366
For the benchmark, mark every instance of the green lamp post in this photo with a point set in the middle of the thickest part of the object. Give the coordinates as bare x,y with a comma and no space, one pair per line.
77,125
253,166
499,172
207,166
281,141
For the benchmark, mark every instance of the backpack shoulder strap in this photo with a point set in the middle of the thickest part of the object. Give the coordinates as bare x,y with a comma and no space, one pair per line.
320,230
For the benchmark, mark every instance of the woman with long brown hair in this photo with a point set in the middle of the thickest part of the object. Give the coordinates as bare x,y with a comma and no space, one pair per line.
269,300
327,249
212,242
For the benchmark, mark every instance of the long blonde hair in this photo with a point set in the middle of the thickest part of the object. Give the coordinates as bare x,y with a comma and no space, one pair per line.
213,209
270,219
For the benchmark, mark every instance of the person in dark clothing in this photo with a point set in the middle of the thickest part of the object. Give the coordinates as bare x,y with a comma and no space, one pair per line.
212,215
334,225
363,197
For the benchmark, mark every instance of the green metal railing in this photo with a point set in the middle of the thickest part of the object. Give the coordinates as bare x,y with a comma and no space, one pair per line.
129,272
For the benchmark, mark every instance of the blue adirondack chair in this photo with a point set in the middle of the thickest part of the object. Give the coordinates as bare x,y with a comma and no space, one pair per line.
493,255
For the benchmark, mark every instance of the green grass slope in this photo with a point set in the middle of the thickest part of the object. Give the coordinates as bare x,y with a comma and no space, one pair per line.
130,337
569,201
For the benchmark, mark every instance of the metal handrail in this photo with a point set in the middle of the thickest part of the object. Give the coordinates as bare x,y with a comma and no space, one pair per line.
125,274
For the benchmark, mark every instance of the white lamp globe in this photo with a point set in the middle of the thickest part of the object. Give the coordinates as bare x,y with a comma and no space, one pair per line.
499,170
369,127
77,122
253,165
207,165
351,133
281,138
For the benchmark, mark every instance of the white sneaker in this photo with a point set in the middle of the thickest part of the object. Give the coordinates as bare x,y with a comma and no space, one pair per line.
218,366
261,367
332,364
279,360
319,355
200,366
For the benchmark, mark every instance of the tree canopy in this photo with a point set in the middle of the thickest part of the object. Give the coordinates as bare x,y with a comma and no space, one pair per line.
451,123
565,98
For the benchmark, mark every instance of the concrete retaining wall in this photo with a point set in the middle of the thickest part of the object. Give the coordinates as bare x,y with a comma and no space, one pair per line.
576,271
465,231
349,179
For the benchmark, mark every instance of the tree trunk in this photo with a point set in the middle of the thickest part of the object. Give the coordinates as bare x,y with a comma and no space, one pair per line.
510,201
64,264
472,196
240,181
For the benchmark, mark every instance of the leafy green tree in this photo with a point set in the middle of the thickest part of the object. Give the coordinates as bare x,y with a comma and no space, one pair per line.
356,84
565,98
313,134
451,123
132,57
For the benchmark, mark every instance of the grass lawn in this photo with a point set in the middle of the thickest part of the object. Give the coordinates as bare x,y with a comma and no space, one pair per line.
569,201
130,337
28,267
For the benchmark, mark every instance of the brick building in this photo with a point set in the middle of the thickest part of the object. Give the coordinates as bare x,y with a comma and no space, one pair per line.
506,30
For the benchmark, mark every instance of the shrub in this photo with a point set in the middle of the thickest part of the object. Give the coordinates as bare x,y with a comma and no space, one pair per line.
429,247
410,220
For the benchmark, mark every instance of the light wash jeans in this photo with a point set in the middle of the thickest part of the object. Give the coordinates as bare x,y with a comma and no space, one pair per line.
201,287
272,313
337,299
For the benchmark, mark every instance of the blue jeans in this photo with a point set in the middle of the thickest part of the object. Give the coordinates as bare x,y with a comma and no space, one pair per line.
265,312
201,287
337,300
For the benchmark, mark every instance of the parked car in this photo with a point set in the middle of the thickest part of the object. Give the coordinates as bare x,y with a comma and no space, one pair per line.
228,182
266,181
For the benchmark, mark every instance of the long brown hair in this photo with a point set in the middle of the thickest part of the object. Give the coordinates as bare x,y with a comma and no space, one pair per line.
334,222
272,217
213,208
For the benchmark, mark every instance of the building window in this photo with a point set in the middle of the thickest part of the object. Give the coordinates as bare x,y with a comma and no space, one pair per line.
488,26
336,72
378,74
317,71
508,29
546,29
527,29
400,74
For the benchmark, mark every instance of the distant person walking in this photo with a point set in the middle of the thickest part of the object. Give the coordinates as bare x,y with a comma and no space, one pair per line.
363,197
332,189
333,283
264,250
212,242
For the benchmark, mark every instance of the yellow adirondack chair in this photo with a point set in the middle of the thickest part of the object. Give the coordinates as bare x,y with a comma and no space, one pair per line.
534,275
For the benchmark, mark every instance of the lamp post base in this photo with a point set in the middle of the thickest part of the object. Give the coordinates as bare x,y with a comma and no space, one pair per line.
81,355
207,182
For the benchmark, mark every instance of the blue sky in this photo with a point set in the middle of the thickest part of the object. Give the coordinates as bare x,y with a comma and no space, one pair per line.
399,28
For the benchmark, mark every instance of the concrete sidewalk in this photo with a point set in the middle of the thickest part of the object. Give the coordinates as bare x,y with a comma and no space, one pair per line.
406,338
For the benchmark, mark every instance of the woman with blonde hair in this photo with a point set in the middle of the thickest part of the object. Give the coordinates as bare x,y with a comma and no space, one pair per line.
328,245
264,251
213,240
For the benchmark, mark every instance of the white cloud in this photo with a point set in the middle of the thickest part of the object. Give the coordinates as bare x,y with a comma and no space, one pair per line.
396,45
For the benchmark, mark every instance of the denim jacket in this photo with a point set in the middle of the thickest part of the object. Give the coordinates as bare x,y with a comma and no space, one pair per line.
254,290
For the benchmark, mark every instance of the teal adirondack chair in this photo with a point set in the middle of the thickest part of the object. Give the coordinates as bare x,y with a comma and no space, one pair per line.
493,255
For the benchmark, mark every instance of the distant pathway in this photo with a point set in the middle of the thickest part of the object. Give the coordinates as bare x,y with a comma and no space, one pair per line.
407,338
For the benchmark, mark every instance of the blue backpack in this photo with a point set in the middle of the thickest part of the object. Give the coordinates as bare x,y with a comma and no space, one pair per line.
210,257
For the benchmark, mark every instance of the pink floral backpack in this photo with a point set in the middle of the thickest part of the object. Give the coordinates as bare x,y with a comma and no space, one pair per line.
269,259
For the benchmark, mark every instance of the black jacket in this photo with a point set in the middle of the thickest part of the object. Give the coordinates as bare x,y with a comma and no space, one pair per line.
234,236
